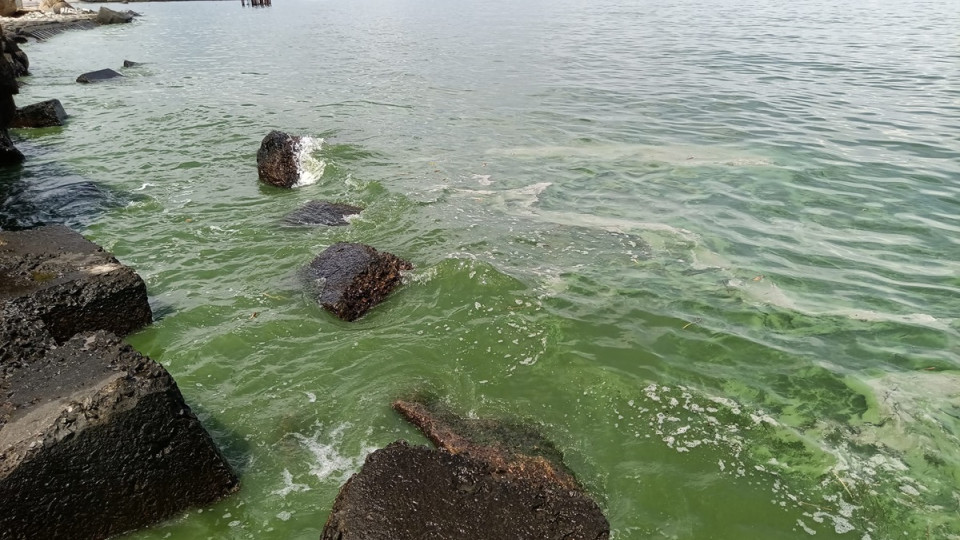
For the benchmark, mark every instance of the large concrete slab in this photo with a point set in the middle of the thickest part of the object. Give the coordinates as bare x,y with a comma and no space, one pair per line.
96,440
54,275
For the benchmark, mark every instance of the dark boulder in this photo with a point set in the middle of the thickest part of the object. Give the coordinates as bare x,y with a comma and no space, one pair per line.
9,155
508,447
353,278
131,63
10,44
405,492
109,16
99,75
54,275
322,213
96,440
39,115
278,160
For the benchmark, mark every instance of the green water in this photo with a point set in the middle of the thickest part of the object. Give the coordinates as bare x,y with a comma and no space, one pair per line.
711,247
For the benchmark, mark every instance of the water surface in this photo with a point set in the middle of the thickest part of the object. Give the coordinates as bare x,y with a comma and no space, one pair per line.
711,247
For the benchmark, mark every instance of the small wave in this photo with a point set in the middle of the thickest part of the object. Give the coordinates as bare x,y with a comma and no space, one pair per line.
289,486
328,461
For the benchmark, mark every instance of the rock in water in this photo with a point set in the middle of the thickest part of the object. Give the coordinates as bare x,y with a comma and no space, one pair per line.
54,275
406,492
322,213
96,440
109,16
130,63
354,278
99,75
278,160
39,115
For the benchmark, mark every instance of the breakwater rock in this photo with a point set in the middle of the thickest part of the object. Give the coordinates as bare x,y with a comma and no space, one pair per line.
478,485
278,159
109,16
9,155
48,113
322,213
353,278
96,440
97,76
56,276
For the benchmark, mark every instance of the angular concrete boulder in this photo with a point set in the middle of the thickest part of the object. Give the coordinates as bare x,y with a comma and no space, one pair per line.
353,278
278,159
405,492
322,213
99,75
48,113
96,440
109,16
56,276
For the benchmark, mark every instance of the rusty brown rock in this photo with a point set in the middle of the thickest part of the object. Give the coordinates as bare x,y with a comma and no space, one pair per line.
488,480
353,278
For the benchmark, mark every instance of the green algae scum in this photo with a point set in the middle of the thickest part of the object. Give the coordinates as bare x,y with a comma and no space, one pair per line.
709,248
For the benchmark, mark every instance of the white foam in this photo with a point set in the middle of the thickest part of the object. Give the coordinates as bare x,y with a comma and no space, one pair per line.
328,461
677,155
309,168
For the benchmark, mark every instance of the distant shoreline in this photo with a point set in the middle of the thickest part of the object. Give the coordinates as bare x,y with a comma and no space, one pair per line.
47,24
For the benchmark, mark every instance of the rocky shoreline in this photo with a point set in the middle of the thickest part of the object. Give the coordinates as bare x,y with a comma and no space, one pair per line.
75,398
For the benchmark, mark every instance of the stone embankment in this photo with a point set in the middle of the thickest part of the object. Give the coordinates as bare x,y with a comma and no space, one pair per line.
95,438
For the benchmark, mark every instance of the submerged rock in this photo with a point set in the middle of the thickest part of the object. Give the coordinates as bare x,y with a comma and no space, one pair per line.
99,75
481,484
39,115
109,16
131,63
278,160
322,213
354,278
96,440
506,446
54,275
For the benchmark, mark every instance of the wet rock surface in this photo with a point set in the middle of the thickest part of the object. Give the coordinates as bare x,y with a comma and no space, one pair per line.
508,447
96,439
54,275
322,213
353,278
48,113
481,484
97,76
9,154
278,160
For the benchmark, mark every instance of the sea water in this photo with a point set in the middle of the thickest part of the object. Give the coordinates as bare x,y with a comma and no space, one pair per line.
712,248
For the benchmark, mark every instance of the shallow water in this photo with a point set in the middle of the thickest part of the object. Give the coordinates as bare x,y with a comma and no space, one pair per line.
710,246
